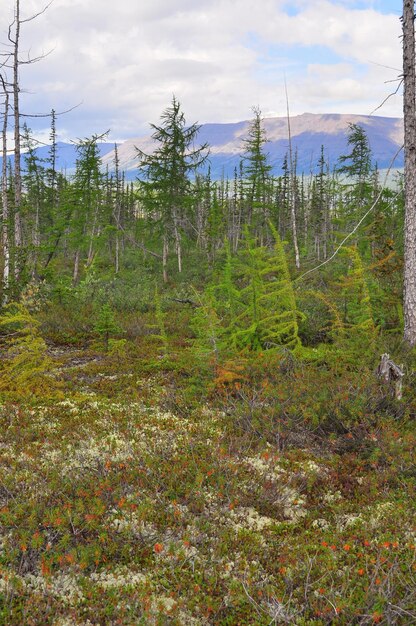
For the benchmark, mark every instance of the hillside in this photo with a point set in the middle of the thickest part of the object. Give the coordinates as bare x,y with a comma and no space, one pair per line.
309,132
66,155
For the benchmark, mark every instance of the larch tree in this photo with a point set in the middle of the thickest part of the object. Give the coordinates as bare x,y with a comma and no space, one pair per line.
166,190
87,202
357,167
319,209
257,176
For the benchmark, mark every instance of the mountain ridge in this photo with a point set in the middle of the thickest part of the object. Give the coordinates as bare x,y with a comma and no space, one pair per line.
309,131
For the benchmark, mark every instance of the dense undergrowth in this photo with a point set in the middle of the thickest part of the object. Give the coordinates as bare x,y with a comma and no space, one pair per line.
144,481
215,448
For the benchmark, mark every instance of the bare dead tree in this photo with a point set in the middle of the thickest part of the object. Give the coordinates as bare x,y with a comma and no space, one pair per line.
292,187
4,197
15,40
409,113
14,33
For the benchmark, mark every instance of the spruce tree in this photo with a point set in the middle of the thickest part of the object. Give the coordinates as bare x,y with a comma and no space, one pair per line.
319,208
357,167
106,324
257,181
165,185
87,199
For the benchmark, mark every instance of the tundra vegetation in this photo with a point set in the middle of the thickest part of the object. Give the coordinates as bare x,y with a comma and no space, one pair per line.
192,429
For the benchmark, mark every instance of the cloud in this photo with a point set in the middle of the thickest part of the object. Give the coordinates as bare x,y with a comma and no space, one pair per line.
124,60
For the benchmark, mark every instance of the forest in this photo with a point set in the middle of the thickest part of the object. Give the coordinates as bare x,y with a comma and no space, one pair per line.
195,427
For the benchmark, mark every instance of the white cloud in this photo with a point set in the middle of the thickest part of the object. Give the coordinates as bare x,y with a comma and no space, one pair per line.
124,60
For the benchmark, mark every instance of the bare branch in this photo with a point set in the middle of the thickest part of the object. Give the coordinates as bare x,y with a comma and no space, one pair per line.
31,60
131,239
9,32
387,67
388,97
356,227
33,17
50,114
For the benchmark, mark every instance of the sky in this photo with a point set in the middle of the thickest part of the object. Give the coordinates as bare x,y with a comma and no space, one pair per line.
121,62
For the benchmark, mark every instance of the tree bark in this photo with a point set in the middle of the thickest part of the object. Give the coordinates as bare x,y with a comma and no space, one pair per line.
5,199
75,274
292,189
165,260
17,146
409,112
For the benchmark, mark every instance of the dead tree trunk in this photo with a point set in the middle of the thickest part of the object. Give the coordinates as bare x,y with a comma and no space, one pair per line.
14,66
409,112
165,259
4,197
391,374
292,189
15,40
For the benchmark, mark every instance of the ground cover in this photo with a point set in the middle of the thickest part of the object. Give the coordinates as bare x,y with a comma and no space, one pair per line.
130,507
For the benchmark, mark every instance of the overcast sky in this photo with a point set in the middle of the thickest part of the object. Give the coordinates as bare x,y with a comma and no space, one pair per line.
123,60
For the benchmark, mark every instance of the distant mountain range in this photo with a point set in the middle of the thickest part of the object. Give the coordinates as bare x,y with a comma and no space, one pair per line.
309,132
66,155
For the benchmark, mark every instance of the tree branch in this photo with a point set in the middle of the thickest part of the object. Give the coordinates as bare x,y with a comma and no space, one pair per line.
354,230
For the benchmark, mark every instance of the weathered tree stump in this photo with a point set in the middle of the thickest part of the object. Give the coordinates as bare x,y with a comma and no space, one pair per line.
390,374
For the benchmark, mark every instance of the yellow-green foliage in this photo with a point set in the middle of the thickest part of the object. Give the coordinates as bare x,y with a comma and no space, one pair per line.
25,361
348,322
206,325
354,304
106,324
159,326
254,301
117,348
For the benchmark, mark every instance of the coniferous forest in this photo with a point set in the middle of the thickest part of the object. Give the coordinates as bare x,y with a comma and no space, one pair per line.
197,424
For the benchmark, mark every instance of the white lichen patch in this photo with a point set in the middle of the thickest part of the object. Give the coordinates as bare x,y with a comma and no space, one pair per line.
293,504
131,522
119,577
330,497
348,521
249,519
321,524
62,586
268,469
162,604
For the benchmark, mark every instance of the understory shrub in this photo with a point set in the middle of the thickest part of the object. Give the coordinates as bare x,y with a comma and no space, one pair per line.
26,367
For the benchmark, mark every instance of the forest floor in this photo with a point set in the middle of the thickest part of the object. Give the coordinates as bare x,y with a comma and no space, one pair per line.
122,503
